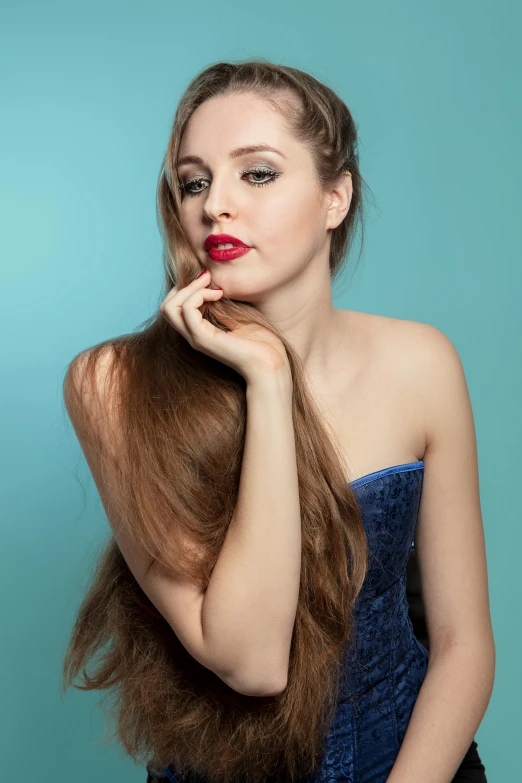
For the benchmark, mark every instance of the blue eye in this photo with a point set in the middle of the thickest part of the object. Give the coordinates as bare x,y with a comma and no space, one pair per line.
270,173
185,187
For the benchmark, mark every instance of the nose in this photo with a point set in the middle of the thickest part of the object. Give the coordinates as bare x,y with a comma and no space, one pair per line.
218,201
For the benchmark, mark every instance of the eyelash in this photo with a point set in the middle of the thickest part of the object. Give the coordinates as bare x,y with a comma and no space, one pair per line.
268,172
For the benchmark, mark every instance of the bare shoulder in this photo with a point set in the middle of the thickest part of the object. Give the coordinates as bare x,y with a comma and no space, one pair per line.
409,345
425,363
417,364
387,332
422,350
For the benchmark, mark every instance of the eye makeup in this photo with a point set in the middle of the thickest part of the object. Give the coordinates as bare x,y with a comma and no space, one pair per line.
267,172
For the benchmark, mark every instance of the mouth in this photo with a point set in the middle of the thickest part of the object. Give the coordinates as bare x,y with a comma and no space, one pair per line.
224,247
214,240
227,253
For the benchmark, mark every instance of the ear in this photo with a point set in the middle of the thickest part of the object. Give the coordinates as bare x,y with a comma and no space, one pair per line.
339,201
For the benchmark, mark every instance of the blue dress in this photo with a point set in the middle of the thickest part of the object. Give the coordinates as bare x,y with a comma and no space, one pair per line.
386,664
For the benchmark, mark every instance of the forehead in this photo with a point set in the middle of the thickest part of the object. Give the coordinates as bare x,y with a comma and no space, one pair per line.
226,122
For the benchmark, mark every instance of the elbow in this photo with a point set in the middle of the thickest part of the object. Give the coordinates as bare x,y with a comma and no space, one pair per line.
257,686
263,673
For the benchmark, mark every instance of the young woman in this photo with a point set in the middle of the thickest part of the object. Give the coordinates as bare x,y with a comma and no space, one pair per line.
265,461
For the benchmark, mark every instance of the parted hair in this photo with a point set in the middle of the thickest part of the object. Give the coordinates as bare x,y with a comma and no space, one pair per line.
168,423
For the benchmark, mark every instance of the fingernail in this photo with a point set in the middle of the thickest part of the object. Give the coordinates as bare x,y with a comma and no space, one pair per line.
201,274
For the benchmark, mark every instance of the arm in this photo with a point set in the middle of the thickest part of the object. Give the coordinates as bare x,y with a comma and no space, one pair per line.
449,709
241,626
250,603
452,563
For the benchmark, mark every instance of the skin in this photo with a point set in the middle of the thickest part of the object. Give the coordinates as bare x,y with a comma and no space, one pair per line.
287,222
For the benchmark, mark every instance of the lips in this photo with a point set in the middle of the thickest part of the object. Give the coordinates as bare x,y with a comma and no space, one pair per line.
227,253
222,239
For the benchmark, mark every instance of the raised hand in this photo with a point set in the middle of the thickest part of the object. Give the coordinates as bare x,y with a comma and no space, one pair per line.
248,349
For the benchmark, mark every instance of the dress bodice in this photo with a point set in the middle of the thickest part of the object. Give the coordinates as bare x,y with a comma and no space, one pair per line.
386,663
389,501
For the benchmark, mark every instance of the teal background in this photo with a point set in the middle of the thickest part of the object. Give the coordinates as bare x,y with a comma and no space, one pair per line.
88,94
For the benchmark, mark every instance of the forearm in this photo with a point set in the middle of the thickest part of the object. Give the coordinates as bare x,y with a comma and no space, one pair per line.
249,608
449,709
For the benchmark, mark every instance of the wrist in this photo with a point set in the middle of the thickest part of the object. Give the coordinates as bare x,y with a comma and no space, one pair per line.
279,380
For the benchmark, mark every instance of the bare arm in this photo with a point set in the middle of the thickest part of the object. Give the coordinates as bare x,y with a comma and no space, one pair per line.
249,607
241,626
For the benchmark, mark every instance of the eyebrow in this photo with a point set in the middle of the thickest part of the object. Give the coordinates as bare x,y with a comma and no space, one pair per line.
237,153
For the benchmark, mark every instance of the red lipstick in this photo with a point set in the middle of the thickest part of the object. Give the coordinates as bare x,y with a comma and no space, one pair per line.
228,253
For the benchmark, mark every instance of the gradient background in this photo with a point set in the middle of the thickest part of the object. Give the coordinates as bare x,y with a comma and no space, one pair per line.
89,91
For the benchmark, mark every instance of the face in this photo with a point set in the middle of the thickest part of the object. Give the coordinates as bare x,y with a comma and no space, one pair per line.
270,200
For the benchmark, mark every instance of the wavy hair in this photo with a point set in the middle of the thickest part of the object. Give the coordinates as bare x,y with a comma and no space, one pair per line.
177,422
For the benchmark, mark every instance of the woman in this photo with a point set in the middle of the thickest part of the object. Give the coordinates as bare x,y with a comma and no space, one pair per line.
264,460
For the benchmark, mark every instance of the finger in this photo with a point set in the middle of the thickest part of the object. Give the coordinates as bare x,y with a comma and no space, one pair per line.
177,295
192,315
182,293
176,314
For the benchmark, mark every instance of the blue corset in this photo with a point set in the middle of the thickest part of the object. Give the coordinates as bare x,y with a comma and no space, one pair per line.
386,664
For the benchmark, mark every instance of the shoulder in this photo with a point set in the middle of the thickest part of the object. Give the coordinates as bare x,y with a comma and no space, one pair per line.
425,351
388,332
90,393
93,365
422,364
412,346
430,368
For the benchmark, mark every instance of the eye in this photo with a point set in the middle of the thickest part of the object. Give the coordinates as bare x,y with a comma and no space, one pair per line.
270,173
186,188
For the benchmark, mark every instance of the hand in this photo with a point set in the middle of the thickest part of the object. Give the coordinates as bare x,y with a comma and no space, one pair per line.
249,349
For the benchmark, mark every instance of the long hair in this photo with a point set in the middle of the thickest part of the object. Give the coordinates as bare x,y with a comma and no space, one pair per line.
177,420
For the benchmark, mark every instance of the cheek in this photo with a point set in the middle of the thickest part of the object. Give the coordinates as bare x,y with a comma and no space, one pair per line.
190,211
289,222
